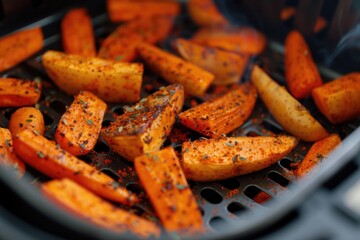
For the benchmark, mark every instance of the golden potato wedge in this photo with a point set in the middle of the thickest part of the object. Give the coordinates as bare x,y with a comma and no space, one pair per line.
144,127
216,159
110,81
290,113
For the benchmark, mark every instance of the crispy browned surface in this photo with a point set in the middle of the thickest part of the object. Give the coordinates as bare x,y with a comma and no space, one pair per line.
18,93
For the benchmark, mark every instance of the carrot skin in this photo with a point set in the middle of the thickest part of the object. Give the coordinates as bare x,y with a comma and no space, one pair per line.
77,33
18,93
205,13
26,118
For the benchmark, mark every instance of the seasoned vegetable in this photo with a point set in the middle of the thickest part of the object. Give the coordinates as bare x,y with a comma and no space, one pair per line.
221,115
205,13
290,114
50,159
18,46
175,70
339,100
300,70
17,93
318,151
77,33
84,203
121,44
7,155
111,81
161,176
79,127
120,11
27,118
144,127
227,67
242,40
216,159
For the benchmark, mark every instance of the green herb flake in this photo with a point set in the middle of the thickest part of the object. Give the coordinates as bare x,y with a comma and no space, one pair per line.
120,129
128,109
229,144
28,120
64,122
143,100
119,57
77,172
156,158
181,186
236,158
242,158
205,156
115,185
319,157
40,154
82,145
36,132
89,121
139,107
7,143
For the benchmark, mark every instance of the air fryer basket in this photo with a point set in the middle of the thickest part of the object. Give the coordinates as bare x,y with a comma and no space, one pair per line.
231,207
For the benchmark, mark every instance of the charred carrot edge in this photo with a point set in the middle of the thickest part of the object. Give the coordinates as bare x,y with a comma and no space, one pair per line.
227,67
120,11
80,201
205,13
318,151
18,93
145,126
77,33
7,155
221,115
222,158
79,127
18,46
50,159
121,44
175,70
27,118
244,40
161,176
300,70
339,100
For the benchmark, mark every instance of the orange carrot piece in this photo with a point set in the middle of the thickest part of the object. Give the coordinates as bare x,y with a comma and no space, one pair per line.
161,176
80,201
175,70
121,44
7,155
287,13
77,33
221,158
300,69
205,13
318,151
17,93
48,158
227,67
339,100
18,46
144,127
27,118
120,10
243,40
79,127
221,115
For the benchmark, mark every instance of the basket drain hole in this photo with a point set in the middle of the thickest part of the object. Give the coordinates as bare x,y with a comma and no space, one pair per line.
217,223
106,123
231,183
58,106
287,163
257,195
211,195
47,119
236,208
101,147
279,179
135,188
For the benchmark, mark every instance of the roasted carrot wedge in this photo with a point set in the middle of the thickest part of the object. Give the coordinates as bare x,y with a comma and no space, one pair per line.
109,80
216,159
144,127
27,118
121,44
77,33
120,10
243,40
18,46
50,159
79,127
227,67
221,115
290,113
7,155
339,100
318,151
17,93
161,176
175,70
205,13
300,70
80,201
